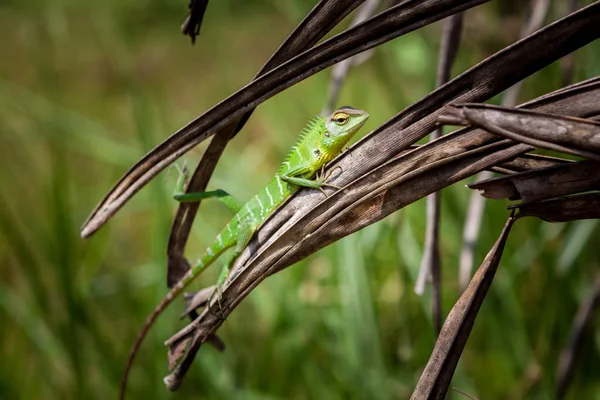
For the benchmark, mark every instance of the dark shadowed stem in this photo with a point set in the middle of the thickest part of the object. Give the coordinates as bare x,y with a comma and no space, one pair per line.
193,22
464,394
430,264
567,64
567,358
539,10
340,70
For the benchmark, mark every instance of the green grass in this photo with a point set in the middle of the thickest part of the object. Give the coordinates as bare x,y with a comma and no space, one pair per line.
86,88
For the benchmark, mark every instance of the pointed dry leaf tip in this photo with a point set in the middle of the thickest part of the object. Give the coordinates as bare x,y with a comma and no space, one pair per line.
171,383
437,375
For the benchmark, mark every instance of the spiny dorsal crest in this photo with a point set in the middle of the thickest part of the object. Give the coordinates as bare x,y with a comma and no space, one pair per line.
312,126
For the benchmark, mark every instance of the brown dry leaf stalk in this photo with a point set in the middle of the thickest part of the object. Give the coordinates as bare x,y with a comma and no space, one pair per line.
367,200
436,377
422,170
320,20
193,22
307,222
563,209
543,183
569,135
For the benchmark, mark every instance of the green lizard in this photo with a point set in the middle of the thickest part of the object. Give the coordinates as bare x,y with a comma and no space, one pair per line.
321,140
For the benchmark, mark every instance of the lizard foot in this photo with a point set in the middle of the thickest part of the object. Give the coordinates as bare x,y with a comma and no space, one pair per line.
323,177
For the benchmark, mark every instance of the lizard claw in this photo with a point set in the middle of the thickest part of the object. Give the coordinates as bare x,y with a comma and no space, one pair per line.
330,172
324,177
219,314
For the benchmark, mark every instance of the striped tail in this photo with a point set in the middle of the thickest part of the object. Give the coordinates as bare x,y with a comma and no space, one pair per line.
211,254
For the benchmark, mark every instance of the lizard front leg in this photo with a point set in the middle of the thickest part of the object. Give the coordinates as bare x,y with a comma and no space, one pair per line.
296,177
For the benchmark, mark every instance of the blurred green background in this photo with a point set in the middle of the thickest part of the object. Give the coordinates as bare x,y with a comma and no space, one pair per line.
86,88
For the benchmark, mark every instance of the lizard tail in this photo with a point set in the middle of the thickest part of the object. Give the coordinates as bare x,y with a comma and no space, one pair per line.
177,289
209,257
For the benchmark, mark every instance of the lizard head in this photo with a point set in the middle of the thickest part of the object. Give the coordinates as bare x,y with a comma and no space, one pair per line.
341,125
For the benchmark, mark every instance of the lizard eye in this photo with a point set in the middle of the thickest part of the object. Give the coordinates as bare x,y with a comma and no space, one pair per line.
341,118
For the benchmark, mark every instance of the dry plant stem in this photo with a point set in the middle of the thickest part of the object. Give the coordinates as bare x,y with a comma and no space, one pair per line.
340,70
193,22
436,377
394,22
572,350
277,239
442,178
544,183
528,162
576,100
321,19
430,264
522,163
473,220
464,394
575,136
563,209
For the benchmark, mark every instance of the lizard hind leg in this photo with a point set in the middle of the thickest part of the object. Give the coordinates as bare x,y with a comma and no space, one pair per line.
180,194
245,232
228,200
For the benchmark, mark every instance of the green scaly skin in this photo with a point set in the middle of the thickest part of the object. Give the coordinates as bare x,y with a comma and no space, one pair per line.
321,141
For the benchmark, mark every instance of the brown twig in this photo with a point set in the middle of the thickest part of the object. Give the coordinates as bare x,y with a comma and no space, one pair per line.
192,23
463,393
